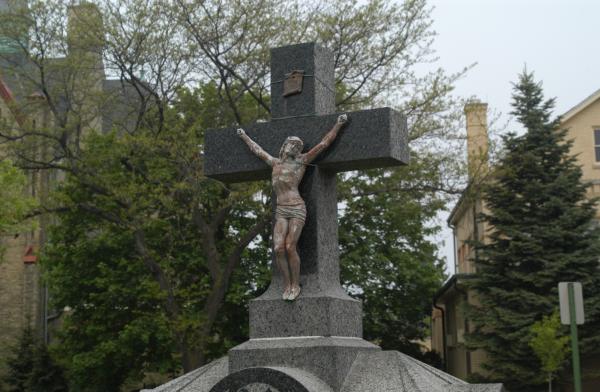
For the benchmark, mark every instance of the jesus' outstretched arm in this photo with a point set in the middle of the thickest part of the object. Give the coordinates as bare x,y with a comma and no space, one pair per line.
327,140
255,148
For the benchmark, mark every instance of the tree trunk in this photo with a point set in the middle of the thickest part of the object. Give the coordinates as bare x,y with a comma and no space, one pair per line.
191,358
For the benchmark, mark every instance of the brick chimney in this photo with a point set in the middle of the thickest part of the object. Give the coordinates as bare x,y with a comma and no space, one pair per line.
477,139
85,29
85,39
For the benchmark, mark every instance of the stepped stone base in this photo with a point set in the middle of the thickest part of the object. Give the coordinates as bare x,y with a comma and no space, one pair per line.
370,371
322,315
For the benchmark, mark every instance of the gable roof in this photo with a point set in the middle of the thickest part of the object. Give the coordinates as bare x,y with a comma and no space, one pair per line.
581,105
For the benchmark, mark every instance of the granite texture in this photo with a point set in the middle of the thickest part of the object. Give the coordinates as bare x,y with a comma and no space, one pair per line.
366,370
394,371
318,244
308,315
274,379
317,95
372,138
199,380
328,358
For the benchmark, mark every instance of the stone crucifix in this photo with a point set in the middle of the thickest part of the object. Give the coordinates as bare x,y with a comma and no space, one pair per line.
290,213
303,106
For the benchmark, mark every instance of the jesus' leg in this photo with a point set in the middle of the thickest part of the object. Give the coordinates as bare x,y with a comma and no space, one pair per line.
291,242
279,234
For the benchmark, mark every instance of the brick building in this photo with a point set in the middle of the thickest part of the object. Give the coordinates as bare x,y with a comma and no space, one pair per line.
449,323
75,82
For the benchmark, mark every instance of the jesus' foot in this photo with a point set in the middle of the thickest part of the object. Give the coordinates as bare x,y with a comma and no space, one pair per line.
295,292
286,293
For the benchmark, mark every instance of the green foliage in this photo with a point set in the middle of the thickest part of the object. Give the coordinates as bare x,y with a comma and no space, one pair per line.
549,345
114,333
387,257
126,321
32,369
15,202
542,233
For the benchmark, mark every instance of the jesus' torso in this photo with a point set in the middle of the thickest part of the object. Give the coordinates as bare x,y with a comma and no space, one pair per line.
286,177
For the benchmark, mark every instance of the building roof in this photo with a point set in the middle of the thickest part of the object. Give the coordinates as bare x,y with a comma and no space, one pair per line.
454,280
581,105
457,207
463,201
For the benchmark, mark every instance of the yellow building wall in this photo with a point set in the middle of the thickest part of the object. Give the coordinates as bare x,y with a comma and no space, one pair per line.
467,228
581,130
19,282
20,301
22,295
437,331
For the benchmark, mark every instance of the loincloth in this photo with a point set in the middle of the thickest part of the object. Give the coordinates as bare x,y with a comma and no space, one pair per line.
297,211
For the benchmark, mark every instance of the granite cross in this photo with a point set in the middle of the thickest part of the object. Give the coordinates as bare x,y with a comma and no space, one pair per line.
303,105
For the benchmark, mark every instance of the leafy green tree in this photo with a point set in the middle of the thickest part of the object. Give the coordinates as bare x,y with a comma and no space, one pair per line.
114,332
31,367
388,259
549,345
542,233
16,204
141,276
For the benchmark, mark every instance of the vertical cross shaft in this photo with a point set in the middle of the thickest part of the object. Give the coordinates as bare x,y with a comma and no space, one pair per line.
318,245
323,308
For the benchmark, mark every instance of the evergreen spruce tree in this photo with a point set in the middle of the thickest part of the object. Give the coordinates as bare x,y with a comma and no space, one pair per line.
542,232
20,363
31,368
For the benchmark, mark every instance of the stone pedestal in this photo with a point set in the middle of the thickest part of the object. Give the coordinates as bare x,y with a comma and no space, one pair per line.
327,358
369,371
319,311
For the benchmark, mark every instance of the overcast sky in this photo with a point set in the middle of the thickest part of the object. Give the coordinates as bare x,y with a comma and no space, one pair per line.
557,39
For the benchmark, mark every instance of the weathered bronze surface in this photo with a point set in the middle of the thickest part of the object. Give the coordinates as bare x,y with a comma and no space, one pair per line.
292,83
290,213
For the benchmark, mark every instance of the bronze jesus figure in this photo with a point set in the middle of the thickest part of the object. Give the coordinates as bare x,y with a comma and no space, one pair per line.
290,213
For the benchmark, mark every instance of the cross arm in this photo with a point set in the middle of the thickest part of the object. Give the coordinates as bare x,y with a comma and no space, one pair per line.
371,138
